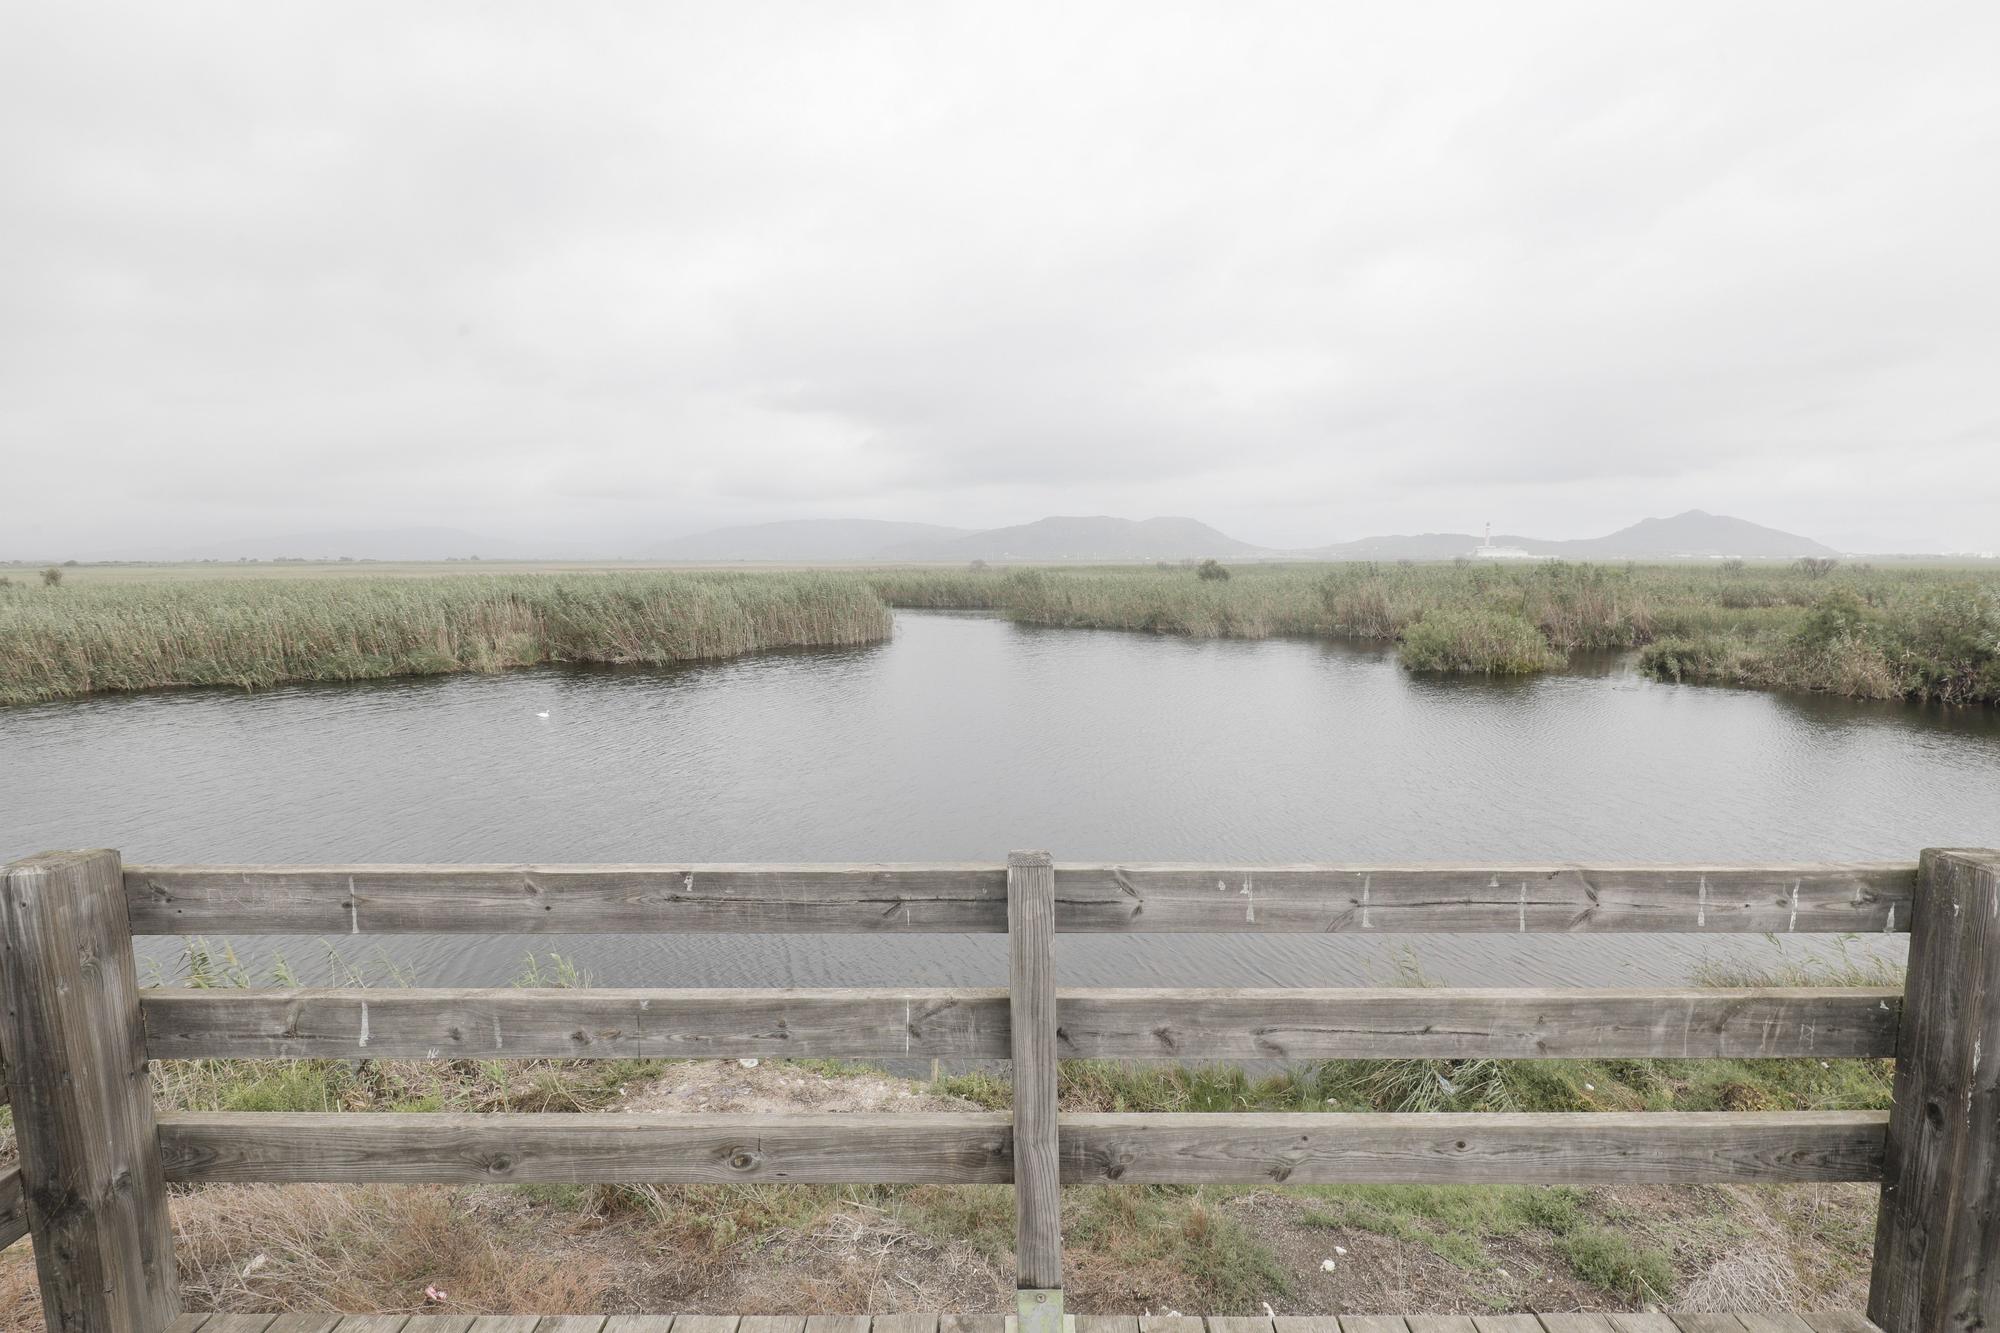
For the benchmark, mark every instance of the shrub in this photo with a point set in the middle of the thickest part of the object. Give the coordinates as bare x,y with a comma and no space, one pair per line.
1612,1263
1212,571
1493,642
51,576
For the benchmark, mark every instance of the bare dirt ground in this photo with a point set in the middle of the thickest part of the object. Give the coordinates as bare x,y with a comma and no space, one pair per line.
779,1249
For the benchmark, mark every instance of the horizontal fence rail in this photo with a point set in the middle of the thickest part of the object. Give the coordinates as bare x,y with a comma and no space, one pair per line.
1706,1147
1175,1024
356,900
13,1207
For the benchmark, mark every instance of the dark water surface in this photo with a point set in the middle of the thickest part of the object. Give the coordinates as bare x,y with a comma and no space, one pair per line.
966,736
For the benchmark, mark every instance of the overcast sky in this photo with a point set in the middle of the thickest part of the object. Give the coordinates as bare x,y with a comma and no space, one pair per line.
598,274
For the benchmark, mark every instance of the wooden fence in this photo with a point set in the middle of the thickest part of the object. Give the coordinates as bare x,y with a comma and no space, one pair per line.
96,1159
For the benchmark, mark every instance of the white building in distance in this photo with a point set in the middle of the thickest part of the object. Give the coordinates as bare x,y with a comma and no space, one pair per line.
1488,551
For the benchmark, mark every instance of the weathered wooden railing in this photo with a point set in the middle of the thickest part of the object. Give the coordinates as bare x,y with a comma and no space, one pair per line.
96,1159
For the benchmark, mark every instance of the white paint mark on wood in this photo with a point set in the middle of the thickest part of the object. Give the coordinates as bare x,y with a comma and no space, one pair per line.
353,909
497,1043
364,1022
1367,887
1701,903
1250,906
1890,927
1524,907
1793,922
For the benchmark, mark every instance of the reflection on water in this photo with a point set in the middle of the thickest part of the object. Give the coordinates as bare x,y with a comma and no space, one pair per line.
966,736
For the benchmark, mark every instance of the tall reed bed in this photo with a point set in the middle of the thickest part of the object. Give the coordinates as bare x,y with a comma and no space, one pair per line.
62,641
1920,633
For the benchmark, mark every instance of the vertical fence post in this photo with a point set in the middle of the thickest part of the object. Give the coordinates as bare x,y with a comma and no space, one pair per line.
1937,1236
83,1097
1031,928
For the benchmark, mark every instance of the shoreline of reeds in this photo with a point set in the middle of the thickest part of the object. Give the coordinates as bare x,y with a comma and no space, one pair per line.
62,642
1930,635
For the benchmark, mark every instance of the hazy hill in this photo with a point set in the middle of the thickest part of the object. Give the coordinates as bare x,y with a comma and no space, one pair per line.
1700,533
1086,538
806,539
380,544
1694,533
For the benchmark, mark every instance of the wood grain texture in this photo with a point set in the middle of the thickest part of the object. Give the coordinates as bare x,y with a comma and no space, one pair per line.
519,1023
1772,1323
1032,1006
503,899
972,1323
13,1207
83,1096
1474,1148
1125,1024
367,899
1937,1239
324,1323
214,1147
1515,899
1440,1323
1409,1022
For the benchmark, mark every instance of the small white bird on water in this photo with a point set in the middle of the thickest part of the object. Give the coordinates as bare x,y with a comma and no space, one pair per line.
541,715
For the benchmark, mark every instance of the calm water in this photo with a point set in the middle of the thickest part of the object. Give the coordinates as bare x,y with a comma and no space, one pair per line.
966,736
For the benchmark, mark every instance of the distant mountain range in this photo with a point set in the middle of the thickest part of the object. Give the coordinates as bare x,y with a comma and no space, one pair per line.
1054,540
1694,534
1043,541
808,539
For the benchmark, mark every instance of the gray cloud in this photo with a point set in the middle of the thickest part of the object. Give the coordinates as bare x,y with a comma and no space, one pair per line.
1310,272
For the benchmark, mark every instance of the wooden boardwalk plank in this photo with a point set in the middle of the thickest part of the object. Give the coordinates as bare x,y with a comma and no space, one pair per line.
1310,1324
1502,1323
326,1323
187,1323
1840,1321
837,1323
753,1323
905,1323
1239,1324
664,1323
705,1323
505,1323
1440,1323
361,1323
1170,1323
1649,1321
366,899
972,1323
1372,1323
420,1323
1700,1322
1773,1323
586,1323
1100,1323
1576,1323
1661,1147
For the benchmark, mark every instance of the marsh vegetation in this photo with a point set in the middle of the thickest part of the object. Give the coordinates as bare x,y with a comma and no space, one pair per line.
1911,633
58,641
1915,633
